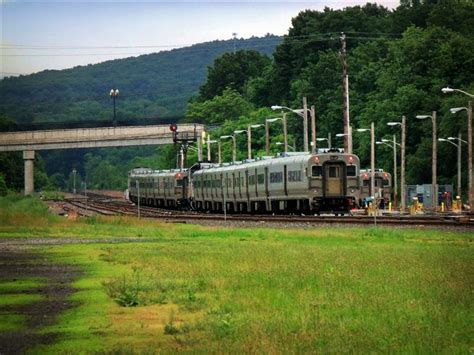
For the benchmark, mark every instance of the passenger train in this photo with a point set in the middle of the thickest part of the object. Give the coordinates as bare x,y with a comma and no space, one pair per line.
289,183
383,186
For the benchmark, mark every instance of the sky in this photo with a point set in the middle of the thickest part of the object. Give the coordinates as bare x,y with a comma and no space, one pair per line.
37,35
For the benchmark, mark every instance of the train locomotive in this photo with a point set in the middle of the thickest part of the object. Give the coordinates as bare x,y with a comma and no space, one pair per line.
289,183
383,186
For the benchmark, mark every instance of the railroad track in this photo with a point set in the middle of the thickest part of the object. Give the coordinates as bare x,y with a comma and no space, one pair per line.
108,206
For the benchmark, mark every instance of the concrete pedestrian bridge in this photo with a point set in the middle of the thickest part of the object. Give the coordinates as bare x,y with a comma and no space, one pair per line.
31,141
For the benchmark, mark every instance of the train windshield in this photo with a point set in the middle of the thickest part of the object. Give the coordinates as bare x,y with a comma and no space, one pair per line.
351,170
317,170
179,183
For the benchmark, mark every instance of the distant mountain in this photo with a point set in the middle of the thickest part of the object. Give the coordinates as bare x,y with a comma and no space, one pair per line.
151,86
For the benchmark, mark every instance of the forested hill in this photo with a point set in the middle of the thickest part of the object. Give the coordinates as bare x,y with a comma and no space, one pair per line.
151,86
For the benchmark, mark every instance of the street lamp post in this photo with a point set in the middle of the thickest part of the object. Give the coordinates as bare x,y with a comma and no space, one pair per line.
434,190
239,132
469,140
303,113
459,148
74,171
328,139
267,132
469,151
289,146
402,163
372,158
114,93
249,137
209,142
393,144
233,147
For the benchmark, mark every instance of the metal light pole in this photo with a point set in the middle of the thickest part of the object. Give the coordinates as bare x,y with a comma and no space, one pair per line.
114,93
219,153
303,113
469,141
249,137
469,151
209,142
393,144
372,156
233,146
137,184
459,151
239,132
402,164
289,146
434,190
267,132
74,171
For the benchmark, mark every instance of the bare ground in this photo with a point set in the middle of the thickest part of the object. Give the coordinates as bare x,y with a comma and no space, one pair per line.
18,262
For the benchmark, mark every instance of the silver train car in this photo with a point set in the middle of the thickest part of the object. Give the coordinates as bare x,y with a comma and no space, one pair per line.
159,188
298,182
383,186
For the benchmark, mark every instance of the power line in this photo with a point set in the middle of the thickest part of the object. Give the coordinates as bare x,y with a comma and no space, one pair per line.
245,45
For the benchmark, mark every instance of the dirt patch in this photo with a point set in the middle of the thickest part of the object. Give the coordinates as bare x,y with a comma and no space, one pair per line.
17,263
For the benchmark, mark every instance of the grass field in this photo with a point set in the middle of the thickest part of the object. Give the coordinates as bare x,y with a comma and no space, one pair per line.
201,289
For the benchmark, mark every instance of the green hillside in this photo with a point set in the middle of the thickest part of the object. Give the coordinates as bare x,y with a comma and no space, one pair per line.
151,86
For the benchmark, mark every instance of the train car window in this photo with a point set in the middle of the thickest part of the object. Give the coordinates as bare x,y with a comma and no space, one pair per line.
276,177
378,182
252,180
366,182
294,175
316,170
351,170
261,179
333,171
179,183
386,182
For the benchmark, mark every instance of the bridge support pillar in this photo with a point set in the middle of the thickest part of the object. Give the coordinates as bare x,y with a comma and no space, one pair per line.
29,157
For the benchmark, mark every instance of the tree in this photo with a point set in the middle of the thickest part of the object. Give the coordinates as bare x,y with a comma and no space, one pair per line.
228,106
232,71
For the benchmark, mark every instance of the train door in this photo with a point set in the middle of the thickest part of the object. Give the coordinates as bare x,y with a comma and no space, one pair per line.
334,176
240,184
266,182
256,183
285,179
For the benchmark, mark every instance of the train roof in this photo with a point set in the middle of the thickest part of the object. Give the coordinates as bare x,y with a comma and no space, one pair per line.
155,173
290,158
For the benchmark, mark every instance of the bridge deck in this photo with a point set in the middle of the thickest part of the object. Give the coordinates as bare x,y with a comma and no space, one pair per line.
92,137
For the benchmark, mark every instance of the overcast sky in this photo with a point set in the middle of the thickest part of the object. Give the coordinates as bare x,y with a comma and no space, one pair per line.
38,35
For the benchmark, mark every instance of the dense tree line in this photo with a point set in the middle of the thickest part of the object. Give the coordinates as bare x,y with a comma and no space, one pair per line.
398,62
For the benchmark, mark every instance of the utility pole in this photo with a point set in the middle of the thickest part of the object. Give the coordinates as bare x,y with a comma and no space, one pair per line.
345,95
199,148
219,151
313,129
267,138
402,172
209,147
249,142
469,155
434,190
305,124
285,132
395,187
459,162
